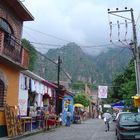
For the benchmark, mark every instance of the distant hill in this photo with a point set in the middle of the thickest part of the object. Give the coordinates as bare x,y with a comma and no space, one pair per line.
83,67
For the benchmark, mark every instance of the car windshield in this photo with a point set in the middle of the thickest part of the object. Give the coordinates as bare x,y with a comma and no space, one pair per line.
130,118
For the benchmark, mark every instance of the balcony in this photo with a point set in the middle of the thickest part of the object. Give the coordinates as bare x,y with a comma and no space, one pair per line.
13,51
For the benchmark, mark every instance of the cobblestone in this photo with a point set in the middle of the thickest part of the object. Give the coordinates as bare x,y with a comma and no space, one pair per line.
93,129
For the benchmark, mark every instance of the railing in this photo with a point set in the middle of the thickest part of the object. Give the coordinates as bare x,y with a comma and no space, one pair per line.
13,50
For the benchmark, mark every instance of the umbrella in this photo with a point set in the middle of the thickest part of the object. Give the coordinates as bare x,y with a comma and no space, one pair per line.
78,105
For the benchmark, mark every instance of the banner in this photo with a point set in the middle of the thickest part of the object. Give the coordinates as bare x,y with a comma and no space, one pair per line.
102,91
23,101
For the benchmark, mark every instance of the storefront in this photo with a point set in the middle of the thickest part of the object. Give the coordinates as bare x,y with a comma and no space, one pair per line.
31,105
49,98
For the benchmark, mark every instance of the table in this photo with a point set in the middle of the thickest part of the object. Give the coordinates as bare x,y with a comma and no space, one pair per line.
26,120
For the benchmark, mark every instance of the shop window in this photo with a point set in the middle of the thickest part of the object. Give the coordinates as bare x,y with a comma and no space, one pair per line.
2,95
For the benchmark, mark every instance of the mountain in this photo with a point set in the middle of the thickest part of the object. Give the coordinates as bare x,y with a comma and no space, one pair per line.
112,62
83,67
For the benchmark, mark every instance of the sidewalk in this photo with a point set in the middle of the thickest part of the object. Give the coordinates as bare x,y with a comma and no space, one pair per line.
34,132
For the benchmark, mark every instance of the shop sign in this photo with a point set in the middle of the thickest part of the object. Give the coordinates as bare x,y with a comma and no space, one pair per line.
102,91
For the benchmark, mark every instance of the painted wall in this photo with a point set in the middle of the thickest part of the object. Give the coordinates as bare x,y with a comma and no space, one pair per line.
67,103
12,78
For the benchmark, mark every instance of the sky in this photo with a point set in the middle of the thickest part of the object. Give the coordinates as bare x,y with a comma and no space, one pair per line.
85,22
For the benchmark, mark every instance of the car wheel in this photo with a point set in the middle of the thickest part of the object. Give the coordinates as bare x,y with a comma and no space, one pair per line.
119,138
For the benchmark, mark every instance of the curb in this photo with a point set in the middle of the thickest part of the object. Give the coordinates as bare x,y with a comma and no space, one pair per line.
26,135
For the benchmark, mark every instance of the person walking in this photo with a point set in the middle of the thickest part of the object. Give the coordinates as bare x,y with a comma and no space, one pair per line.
68,119
107,117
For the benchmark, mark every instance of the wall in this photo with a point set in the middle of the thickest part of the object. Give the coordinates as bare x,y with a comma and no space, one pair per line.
12,79
15,23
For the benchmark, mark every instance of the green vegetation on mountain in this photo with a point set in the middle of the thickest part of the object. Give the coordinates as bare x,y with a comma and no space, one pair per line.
83,67
112,63
75,62
78,65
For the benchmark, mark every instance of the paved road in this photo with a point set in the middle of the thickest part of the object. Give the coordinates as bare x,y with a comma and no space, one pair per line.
89,130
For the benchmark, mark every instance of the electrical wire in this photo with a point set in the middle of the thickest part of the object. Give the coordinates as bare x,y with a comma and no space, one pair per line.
48,35
55,64
82,46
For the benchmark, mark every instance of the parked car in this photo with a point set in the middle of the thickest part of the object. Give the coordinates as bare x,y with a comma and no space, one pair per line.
117,116
128,126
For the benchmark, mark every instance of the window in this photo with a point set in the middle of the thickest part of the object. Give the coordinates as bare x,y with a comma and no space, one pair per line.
9,38
4,25
2,96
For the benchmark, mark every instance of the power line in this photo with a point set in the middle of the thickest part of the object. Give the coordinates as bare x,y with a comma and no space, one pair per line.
82,46
55,64
46,44
58,45
47,58
58,38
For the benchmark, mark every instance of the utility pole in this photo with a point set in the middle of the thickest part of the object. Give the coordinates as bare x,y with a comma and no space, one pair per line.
58,83
133,43
136,52
58,71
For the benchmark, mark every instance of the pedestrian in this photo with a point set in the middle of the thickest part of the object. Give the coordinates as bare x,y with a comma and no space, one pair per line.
60,118
68,118
107,117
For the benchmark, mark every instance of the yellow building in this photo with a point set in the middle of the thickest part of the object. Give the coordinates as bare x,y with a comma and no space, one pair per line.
13,57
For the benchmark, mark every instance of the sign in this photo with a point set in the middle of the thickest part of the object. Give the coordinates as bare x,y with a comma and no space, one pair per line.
102,91
23,101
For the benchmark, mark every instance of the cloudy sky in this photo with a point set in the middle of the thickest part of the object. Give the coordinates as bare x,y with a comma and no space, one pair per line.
84,22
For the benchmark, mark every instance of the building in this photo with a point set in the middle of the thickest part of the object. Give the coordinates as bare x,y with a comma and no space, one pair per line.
13,56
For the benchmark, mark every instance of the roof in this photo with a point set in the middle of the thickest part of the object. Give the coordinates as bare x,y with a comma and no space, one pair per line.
19,9
70,93
38,78
45,82
32,75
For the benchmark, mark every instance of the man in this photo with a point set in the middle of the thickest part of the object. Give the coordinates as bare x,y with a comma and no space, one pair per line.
107,116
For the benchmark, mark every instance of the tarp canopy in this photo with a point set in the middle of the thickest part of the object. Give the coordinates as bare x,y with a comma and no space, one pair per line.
120,103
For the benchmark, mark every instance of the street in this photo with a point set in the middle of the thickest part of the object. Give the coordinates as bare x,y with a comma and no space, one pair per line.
92,129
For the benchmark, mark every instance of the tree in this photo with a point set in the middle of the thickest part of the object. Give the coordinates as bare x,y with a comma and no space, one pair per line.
124,85
32,53
82,99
